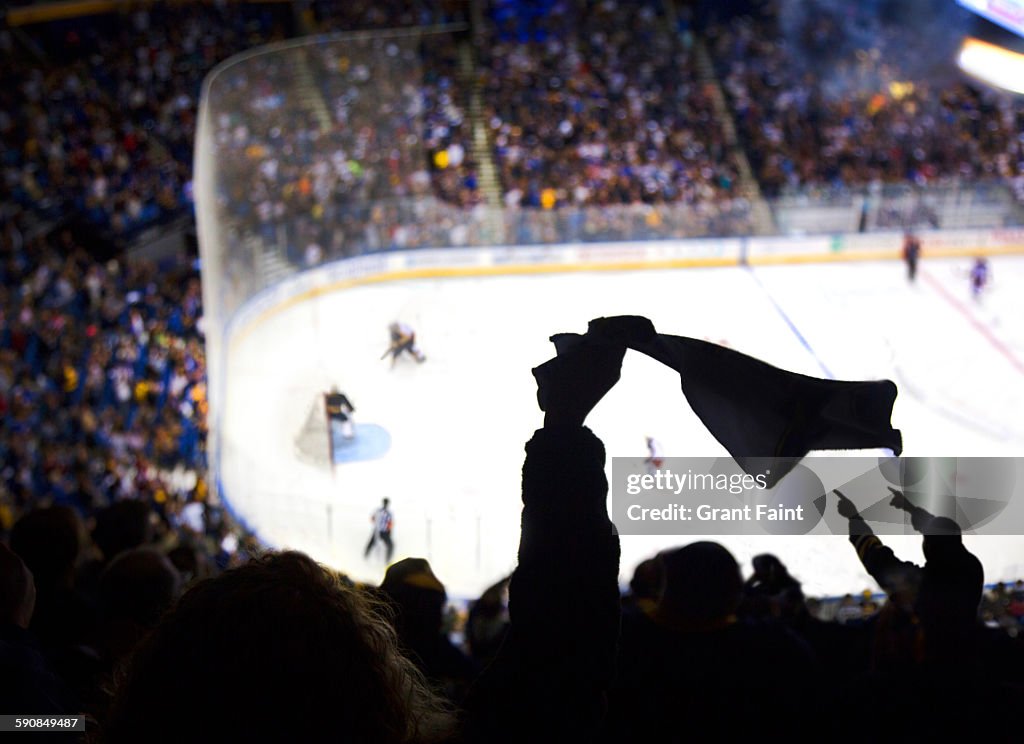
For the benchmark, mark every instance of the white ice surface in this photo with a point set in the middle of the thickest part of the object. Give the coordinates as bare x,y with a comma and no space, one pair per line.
458,422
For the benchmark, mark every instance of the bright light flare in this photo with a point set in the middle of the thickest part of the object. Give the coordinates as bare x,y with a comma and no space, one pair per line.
992,64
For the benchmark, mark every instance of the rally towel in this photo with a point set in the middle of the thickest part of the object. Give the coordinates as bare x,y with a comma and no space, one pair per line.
757,411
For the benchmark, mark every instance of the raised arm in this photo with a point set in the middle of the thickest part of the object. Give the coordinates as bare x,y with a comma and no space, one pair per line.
555,667
878,559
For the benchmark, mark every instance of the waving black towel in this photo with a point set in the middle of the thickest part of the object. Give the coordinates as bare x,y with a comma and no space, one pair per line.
753,409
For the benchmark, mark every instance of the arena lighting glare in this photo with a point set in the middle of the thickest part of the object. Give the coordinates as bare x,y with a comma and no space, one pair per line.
992,64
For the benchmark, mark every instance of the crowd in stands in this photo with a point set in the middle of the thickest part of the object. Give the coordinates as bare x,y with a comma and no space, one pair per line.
594,105
832,97
103,486
588,105
342,15
322,149
99,118
102,386
600,103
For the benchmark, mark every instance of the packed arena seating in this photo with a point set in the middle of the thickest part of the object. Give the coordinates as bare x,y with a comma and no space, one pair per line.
103,382
600,103
588,104
99,117
103,496
343,182
347,15
837,99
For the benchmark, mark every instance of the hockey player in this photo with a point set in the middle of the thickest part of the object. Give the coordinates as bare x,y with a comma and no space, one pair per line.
911,254
403,339
383,522
654,458
980,276
340,409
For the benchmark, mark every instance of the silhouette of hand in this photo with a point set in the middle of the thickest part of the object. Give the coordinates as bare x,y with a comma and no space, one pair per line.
846,507
572,383
899,501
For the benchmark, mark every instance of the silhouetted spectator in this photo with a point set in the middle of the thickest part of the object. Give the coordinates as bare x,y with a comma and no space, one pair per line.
945,593
135,590
419,599
644,587
49,540
688,664
771,592
191,562
27,684
487,623
929,678
276,650
122,526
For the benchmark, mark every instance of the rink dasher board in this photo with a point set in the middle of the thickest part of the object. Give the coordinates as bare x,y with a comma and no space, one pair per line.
618,256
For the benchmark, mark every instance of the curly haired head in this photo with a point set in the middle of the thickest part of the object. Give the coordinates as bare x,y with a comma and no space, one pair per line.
279,649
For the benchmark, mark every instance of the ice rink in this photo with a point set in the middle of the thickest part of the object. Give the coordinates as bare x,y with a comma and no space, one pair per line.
450,432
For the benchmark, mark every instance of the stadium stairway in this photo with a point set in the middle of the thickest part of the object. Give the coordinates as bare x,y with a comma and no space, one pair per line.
272,266
764,220
483,152
310,96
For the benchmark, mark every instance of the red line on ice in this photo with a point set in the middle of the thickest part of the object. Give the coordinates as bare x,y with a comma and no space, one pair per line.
978,326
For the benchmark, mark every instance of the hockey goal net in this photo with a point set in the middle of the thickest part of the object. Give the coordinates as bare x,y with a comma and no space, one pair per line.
314,443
